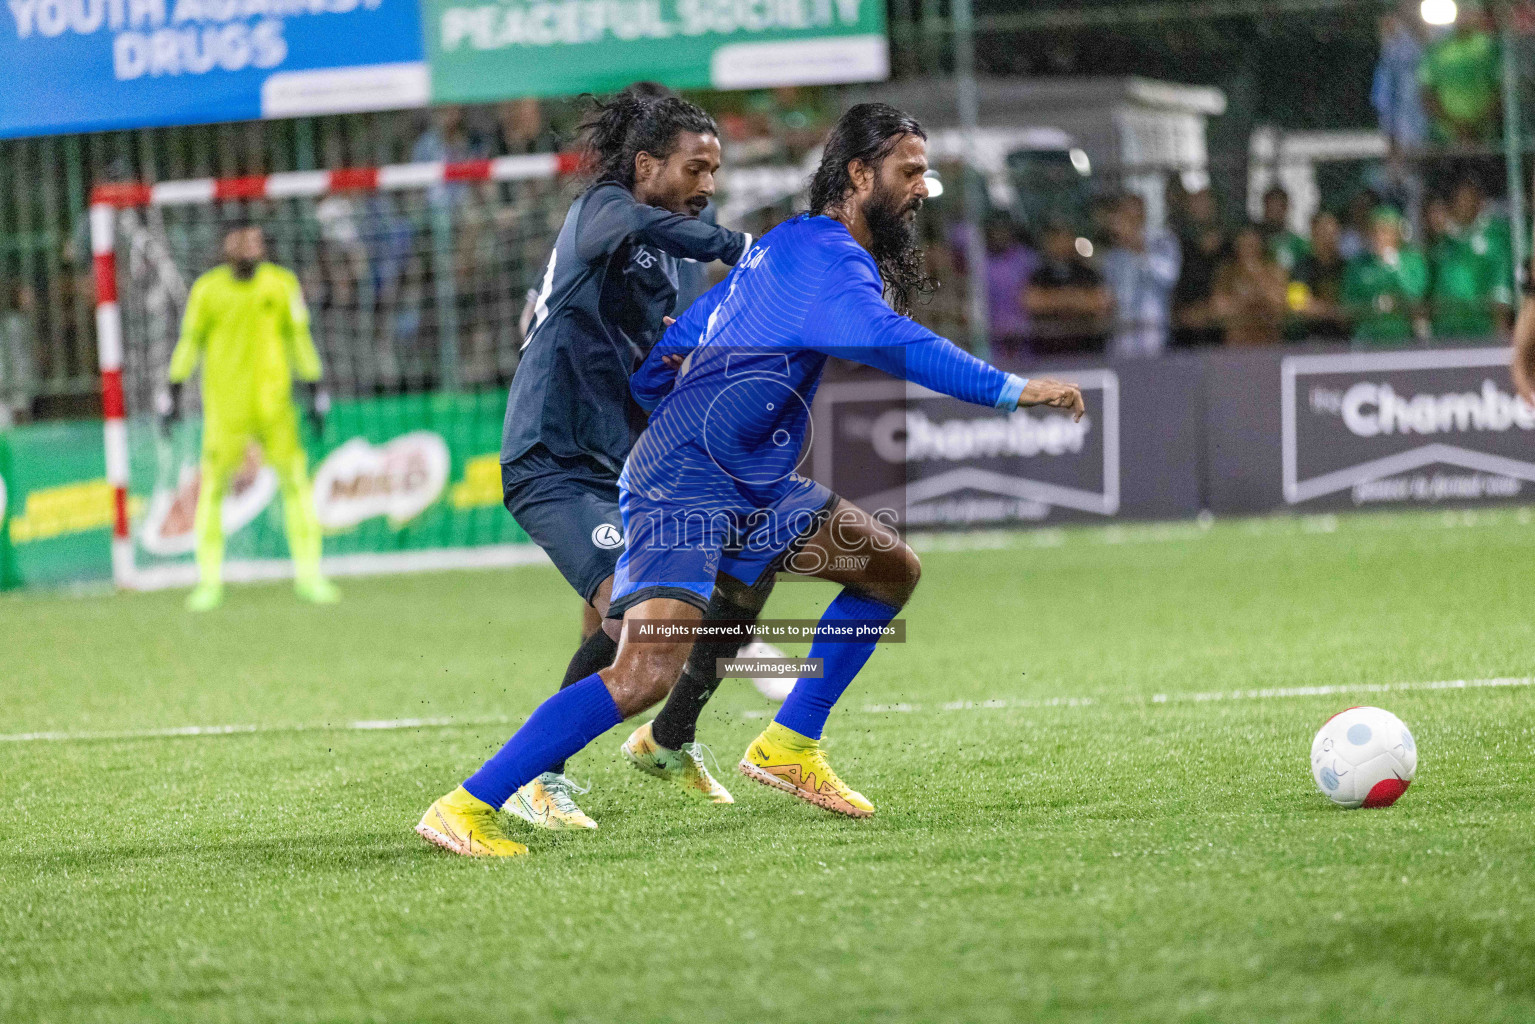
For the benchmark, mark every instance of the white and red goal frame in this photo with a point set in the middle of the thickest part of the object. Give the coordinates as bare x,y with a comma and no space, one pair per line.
107,200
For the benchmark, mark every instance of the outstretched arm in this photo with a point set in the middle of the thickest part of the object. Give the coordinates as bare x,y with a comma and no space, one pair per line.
612,214
1524,349
852,321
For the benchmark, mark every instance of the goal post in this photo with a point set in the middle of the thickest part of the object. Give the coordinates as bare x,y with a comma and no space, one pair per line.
415,276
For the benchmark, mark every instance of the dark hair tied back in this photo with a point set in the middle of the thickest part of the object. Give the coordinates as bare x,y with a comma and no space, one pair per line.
636,121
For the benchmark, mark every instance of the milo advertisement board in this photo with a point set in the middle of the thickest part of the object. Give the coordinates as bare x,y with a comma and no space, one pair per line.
408,473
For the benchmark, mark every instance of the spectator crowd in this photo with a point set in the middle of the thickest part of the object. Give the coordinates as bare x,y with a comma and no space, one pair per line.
1126,289
1410,262
1440,87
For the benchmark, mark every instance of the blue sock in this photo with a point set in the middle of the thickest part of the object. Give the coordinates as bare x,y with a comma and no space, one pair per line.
811,700
558,728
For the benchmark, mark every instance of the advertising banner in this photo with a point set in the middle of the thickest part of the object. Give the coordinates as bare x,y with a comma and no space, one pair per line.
938,463
406,473
56,511
88,65
1361,430
1329,431
489,51
1236,433
92,65
8,577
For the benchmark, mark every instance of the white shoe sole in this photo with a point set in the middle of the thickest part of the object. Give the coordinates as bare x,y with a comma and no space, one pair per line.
452,845
767,778
436,838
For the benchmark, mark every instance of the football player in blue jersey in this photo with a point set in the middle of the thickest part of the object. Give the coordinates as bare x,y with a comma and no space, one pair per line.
710,495
608,290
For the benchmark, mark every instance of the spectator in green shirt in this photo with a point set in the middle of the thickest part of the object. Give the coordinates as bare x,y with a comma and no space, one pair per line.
1285,246
1462,81
1383,287
1473,276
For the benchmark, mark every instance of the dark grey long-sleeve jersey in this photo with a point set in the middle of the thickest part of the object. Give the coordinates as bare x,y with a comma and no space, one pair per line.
610,280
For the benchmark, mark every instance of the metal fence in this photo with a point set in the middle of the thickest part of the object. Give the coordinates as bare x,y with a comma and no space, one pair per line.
47,332
1270,60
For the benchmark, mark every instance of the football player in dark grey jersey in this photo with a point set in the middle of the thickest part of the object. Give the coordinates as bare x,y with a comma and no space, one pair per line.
608,292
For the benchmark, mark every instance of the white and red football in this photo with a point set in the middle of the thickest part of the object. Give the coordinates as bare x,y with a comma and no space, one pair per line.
1363,757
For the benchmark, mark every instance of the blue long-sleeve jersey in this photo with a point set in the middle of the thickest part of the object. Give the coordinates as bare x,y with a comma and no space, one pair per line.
757,343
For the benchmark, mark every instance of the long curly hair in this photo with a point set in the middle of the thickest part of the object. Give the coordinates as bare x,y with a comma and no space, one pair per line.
634,121
869,132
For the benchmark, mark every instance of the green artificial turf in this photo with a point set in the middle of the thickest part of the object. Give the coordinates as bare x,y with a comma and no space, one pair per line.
1063,832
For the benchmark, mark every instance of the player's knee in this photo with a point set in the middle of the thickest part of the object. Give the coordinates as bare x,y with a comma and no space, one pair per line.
909,573
643,674
894,579
635,693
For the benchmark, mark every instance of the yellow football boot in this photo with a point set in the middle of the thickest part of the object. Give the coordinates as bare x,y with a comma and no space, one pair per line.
205,597
462,823
317,590
683,767
546,802
785,760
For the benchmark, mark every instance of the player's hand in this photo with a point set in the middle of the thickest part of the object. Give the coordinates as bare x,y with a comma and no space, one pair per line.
1057,394
319,410
317,407
168,409
672,362
1524,374
1523,365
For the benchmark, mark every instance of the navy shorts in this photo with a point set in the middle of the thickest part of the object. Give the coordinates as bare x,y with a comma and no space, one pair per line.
569,506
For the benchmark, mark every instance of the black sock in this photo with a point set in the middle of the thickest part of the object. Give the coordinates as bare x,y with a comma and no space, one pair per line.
677,724
595,653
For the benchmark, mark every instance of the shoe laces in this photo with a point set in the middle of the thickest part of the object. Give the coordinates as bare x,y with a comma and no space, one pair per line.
817,759
559,788
696,752
484,825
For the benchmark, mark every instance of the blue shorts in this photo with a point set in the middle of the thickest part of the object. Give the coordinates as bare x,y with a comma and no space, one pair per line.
569,506
676,549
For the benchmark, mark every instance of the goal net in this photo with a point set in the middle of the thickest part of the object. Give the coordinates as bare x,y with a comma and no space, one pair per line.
416,277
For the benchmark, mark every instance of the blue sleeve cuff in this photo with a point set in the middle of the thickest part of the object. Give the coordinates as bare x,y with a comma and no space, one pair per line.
1012,390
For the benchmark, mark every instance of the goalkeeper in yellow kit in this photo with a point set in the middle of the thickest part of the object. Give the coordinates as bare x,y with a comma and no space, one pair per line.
246,322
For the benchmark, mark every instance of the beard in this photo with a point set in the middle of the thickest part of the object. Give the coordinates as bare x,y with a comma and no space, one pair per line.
243,269
893,244
892,234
